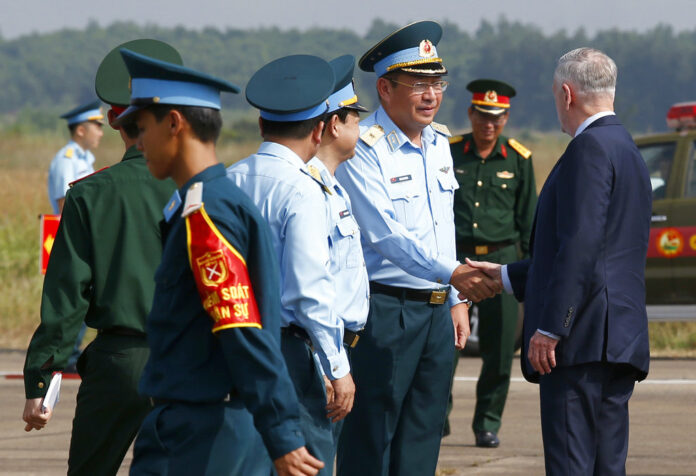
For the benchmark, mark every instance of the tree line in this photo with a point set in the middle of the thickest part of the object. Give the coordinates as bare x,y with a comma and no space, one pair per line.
42,75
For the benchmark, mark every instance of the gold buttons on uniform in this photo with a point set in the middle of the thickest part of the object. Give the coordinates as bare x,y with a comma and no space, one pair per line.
40,385
479,183
504,185
475,225
477,204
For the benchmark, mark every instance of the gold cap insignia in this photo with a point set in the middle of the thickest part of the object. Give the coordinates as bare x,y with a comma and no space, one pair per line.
491,96
425,49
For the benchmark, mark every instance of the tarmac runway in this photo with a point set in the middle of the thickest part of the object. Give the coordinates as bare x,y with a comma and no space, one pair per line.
662,440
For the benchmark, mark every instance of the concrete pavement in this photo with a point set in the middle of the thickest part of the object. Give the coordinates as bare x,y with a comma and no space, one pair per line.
663,426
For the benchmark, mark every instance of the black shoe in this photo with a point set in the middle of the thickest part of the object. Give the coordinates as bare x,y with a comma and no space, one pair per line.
487,439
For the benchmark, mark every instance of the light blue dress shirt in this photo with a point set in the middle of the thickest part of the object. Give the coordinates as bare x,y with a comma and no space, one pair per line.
347,262
403,198
293,204
69,164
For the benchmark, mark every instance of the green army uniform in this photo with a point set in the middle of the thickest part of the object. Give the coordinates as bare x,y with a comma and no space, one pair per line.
101,272
102,263
493,208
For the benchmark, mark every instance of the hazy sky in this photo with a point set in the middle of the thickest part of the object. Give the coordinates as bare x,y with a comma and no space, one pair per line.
19,17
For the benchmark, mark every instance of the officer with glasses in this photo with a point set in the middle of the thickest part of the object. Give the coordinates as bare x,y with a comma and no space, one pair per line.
402,187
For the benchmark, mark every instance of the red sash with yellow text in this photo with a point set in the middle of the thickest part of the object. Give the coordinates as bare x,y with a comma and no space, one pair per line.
221,275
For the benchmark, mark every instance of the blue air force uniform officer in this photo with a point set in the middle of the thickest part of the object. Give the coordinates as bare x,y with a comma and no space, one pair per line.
292,93
402,185
75,160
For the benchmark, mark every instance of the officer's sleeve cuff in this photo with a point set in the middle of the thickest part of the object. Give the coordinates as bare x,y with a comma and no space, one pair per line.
36,383
335,366
443,269
549,334
283,438
507,285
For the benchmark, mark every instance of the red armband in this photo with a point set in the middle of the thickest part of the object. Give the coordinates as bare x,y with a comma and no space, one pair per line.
221,275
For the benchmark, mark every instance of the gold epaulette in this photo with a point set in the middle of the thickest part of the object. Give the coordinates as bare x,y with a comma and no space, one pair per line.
456,139
69,152
441,128
519,148
316,175
372,135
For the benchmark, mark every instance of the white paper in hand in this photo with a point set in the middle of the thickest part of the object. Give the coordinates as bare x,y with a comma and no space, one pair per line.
53,392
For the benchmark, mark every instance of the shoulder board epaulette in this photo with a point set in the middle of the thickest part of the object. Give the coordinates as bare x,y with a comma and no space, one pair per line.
316,175
86,176
194,199
519,148
372,135
455,139
69,152
441,128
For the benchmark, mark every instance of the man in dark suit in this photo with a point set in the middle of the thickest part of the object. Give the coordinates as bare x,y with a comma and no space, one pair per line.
585,326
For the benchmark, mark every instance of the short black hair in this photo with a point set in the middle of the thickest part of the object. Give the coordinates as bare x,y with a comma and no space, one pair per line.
291,130
131,129
205,122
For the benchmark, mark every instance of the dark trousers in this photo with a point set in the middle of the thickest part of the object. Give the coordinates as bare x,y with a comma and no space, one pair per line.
202,439
109,409
311,393
584,418
402,368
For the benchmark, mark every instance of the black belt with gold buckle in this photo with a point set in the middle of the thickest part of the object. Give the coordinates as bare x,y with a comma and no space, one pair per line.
431,296
350,338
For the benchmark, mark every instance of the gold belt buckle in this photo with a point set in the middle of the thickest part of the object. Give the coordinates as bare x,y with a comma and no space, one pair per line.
438,297
354,342
481,249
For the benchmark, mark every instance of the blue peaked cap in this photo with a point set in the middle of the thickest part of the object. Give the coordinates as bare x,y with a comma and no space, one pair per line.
292,88
411,49
86,112
344,95
158,82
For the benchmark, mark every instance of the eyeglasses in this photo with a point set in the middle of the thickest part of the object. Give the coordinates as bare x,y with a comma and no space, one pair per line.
421,87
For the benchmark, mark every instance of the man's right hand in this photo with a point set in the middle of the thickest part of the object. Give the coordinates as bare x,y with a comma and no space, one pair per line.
34,415
344,394
297,463
474,284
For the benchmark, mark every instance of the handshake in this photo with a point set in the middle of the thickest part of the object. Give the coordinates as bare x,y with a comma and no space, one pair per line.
477,280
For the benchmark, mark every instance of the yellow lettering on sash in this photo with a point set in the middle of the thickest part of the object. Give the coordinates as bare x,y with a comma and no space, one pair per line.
225,312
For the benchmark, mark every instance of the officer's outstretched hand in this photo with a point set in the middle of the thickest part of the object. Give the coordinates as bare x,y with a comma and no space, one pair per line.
344,394
298,463
34,415
474,283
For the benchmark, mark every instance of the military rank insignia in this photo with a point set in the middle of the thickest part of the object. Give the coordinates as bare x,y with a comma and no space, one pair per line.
221,275
372,135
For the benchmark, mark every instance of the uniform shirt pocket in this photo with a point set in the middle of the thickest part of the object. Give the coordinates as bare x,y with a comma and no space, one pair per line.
404,196
348,232
448,184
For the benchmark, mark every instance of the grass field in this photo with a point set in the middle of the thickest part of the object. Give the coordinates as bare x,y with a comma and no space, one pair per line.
24,160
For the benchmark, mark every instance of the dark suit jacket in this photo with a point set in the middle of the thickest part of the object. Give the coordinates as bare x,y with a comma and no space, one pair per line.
585,278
